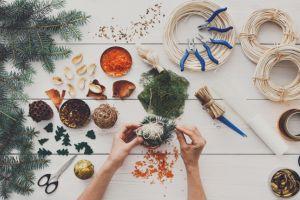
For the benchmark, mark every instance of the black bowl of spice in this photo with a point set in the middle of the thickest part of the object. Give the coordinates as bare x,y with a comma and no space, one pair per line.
74,113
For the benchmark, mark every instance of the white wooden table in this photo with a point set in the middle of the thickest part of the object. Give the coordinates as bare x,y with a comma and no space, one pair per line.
232,167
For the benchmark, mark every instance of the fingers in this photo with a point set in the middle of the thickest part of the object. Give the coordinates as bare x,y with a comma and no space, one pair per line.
135,142
127,129
193,133
181,138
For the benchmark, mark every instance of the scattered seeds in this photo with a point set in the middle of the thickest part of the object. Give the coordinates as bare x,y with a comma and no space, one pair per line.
77,59
68,73
57,80
81,83
71,90
136,30
81,70
91,69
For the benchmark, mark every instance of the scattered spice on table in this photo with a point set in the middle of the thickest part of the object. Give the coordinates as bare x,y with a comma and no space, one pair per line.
156,166
136,30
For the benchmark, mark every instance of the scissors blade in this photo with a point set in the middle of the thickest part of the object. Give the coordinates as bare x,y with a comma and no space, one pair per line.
63,168
228,123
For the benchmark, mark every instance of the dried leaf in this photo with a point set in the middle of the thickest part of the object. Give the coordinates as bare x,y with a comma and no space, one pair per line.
71,90
68,73
55,97
57,80
81,70
81,83
91,69
98,96
77,59
123,89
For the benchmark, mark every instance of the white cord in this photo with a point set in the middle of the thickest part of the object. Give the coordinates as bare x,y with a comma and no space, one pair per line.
248,38
263,70
203,9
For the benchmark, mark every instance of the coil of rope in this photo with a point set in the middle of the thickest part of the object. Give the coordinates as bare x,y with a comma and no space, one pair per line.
203,9
264,67
248,37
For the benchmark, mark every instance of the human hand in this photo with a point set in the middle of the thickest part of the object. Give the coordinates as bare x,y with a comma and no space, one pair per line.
190,153
122,146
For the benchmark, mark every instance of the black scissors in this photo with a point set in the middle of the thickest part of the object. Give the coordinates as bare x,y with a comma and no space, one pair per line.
51,181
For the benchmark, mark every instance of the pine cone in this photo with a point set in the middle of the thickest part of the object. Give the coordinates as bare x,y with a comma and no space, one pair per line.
40,110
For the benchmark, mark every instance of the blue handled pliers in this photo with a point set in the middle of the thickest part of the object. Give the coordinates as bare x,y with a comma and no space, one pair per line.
192,49
213,41
211,18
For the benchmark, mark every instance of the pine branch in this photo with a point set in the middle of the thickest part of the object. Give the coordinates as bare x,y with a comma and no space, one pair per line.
27,28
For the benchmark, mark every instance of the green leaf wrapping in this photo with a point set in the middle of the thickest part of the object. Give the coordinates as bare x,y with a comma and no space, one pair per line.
164,93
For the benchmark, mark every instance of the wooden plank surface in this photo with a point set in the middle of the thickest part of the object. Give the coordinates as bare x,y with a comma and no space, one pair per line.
232,167
224,177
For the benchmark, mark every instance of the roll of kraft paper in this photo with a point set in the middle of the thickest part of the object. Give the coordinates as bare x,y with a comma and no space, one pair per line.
256,122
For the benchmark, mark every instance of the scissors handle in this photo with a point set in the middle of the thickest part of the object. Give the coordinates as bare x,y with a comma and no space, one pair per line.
41,181
44,181
54,185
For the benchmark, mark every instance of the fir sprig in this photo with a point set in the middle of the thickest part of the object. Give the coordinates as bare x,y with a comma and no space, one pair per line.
27,28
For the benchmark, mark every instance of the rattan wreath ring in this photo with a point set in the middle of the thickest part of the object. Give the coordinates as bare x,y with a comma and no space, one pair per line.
203,9
248,37
264,67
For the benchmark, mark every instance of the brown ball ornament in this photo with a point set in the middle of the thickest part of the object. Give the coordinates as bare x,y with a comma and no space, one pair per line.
40,110
84,169
105,116
75,113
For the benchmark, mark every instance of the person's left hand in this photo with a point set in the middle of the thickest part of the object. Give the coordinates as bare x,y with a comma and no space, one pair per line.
120,149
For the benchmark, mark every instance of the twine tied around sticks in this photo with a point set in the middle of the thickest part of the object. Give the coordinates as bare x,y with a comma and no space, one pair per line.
208,103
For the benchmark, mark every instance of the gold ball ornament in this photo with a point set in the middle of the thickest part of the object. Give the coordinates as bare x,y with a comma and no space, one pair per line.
84,169
105,116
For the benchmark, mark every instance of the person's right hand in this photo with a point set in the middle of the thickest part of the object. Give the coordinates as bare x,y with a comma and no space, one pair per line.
190,153
123,143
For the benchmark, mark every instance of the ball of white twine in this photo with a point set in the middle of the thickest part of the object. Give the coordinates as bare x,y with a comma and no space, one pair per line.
203,9
248,37
263,70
